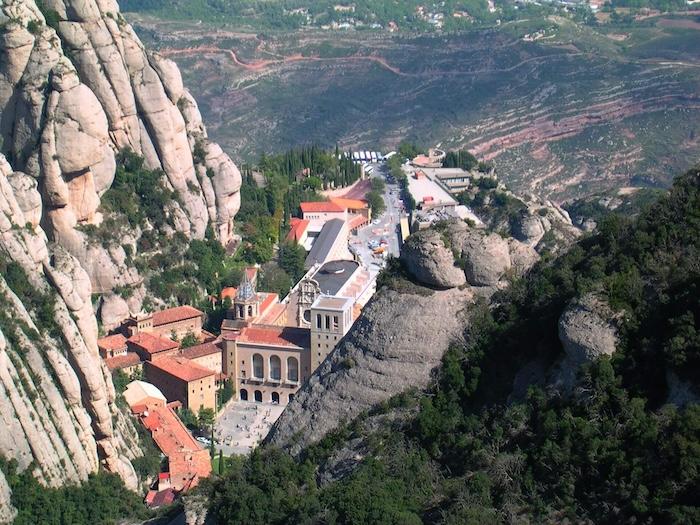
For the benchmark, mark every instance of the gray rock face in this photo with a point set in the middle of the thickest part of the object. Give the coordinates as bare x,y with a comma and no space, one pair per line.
586,331
387,351
70,99
530,229
486,258
56,397
63,120
428,259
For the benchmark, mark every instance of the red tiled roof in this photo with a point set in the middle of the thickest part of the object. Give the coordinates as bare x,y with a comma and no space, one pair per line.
138,409
354,204
122,361
325,206
206,337
251,272
229,291
112,342
196,351
182,368
298,227
356,221
268,300
276,335
158,499
152,344
187,460
173,315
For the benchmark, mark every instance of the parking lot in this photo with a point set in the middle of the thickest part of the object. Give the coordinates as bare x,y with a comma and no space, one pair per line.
242,425
383,231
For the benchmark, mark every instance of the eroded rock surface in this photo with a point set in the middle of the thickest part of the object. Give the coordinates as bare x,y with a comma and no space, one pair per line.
71,97
431,262
387,351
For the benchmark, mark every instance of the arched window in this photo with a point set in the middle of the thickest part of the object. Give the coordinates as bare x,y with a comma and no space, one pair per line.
258,368
240,311
291,397
244,394
275,368
258,396
275,397
250,310
292,369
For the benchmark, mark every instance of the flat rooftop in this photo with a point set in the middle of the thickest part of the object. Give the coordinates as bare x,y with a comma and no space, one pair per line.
332,276
425,187
332,303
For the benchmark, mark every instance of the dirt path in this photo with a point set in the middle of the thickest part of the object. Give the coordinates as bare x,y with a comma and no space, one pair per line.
260,65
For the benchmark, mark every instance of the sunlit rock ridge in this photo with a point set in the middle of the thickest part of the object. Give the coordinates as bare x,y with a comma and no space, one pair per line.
77,87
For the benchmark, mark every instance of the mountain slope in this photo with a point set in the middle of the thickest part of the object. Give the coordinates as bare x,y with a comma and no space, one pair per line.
574,397
83,108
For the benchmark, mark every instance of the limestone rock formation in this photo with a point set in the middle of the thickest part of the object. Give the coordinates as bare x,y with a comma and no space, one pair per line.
486,258
587,332
56,397
431,262
379,358
74,94
76,88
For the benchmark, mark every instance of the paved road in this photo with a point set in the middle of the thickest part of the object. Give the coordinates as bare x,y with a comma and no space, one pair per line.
384,227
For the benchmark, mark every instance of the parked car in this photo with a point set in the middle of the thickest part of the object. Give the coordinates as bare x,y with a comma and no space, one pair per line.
203,440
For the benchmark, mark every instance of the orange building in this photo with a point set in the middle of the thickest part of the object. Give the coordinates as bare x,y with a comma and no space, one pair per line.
183,380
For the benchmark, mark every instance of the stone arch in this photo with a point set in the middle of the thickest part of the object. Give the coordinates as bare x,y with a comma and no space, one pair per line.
258,396
275,397
275,368
292,369
258,366
291,397
244,394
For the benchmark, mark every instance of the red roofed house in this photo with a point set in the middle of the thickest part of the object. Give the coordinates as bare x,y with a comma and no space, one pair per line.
317,213
299,231
181,379
178,321
150,346
114,351
207,355
112,345
269,363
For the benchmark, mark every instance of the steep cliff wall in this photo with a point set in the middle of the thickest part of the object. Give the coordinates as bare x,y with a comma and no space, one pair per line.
76,88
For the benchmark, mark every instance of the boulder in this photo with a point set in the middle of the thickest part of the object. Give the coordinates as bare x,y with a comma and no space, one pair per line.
431,262
486,258
112,311
587,330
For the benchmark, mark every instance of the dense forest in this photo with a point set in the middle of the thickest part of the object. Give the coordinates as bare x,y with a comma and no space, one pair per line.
469,450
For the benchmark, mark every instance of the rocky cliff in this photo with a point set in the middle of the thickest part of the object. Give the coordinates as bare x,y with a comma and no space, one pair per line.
400,338
77,88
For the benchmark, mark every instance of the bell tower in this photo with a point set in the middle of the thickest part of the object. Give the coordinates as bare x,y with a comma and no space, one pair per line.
245,304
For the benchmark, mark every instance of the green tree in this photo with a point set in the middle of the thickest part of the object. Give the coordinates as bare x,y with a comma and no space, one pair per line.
291,259
376,203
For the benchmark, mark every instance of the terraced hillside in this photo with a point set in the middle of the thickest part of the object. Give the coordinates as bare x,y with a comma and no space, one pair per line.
577,110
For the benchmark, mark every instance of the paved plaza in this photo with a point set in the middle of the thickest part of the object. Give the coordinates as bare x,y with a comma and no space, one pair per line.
242,425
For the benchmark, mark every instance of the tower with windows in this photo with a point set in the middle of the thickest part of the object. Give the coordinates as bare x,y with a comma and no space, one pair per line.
331,318
245,304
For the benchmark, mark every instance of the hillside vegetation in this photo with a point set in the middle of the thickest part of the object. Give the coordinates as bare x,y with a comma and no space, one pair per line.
611,449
